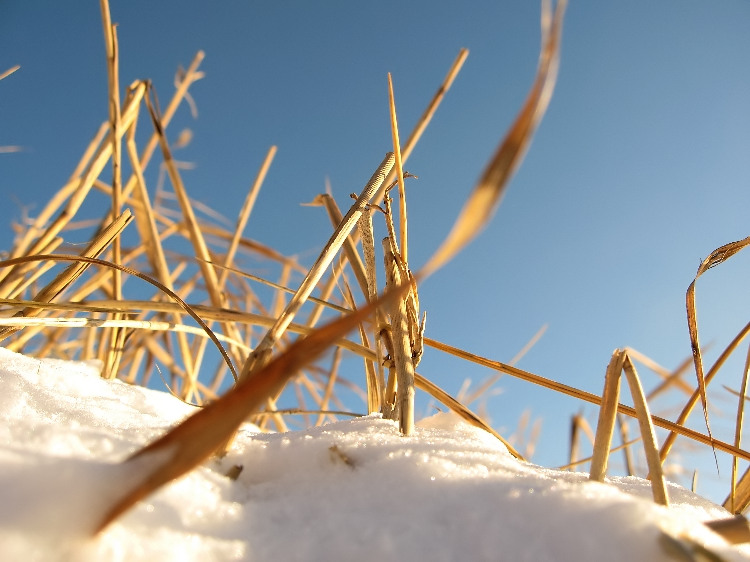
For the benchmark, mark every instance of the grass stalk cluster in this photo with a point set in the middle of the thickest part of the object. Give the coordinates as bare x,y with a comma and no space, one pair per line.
188,261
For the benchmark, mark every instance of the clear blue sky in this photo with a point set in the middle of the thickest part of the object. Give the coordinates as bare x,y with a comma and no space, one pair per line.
639,169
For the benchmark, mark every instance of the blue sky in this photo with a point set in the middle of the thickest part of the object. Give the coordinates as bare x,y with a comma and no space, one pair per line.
638,171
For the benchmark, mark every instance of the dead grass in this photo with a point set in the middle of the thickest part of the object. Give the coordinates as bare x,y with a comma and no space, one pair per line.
187,258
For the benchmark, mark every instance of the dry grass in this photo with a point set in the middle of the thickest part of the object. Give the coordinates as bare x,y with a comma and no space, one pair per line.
188,260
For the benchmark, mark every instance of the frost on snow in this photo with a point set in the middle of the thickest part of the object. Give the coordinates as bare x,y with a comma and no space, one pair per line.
351,490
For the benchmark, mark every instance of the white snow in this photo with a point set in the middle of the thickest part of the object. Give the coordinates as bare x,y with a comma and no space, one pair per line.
352,490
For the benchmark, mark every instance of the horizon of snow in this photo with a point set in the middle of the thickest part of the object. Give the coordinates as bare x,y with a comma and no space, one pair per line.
349,490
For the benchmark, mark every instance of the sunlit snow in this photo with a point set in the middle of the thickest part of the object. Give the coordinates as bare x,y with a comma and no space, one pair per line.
352,490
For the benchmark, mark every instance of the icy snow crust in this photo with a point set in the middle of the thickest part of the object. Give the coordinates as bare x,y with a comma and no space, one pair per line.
352,490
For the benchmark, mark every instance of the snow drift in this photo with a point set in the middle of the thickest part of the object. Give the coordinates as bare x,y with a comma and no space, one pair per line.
351,490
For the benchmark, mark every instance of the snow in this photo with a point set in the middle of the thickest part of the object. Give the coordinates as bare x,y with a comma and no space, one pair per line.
351,490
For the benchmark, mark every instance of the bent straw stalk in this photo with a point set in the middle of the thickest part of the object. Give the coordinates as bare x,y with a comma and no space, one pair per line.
716,257
648,434
620,363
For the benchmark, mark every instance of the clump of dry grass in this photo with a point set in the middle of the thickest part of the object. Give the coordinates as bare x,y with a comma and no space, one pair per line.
181,252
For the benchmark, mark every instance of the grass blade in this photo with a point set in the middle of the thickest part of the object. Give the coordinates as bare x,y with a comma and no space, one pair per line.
716,257
403,232
10,71
488,192
648,434
605,427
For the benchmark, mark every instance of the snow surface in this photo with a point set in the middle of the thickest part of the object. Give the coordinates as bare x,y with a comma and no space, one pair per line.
351,490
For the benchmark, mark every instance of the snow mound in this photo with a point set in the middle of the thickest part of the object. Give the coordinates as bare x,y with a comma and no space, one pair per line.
352,490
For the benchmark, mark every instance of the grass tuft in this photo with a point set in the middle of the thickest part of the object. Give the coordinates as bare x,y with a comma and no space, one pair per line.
265,347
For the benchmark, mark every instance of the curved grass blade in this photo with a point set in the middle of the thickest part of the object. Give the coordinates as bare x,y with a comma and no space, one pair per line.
486,196
716,257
